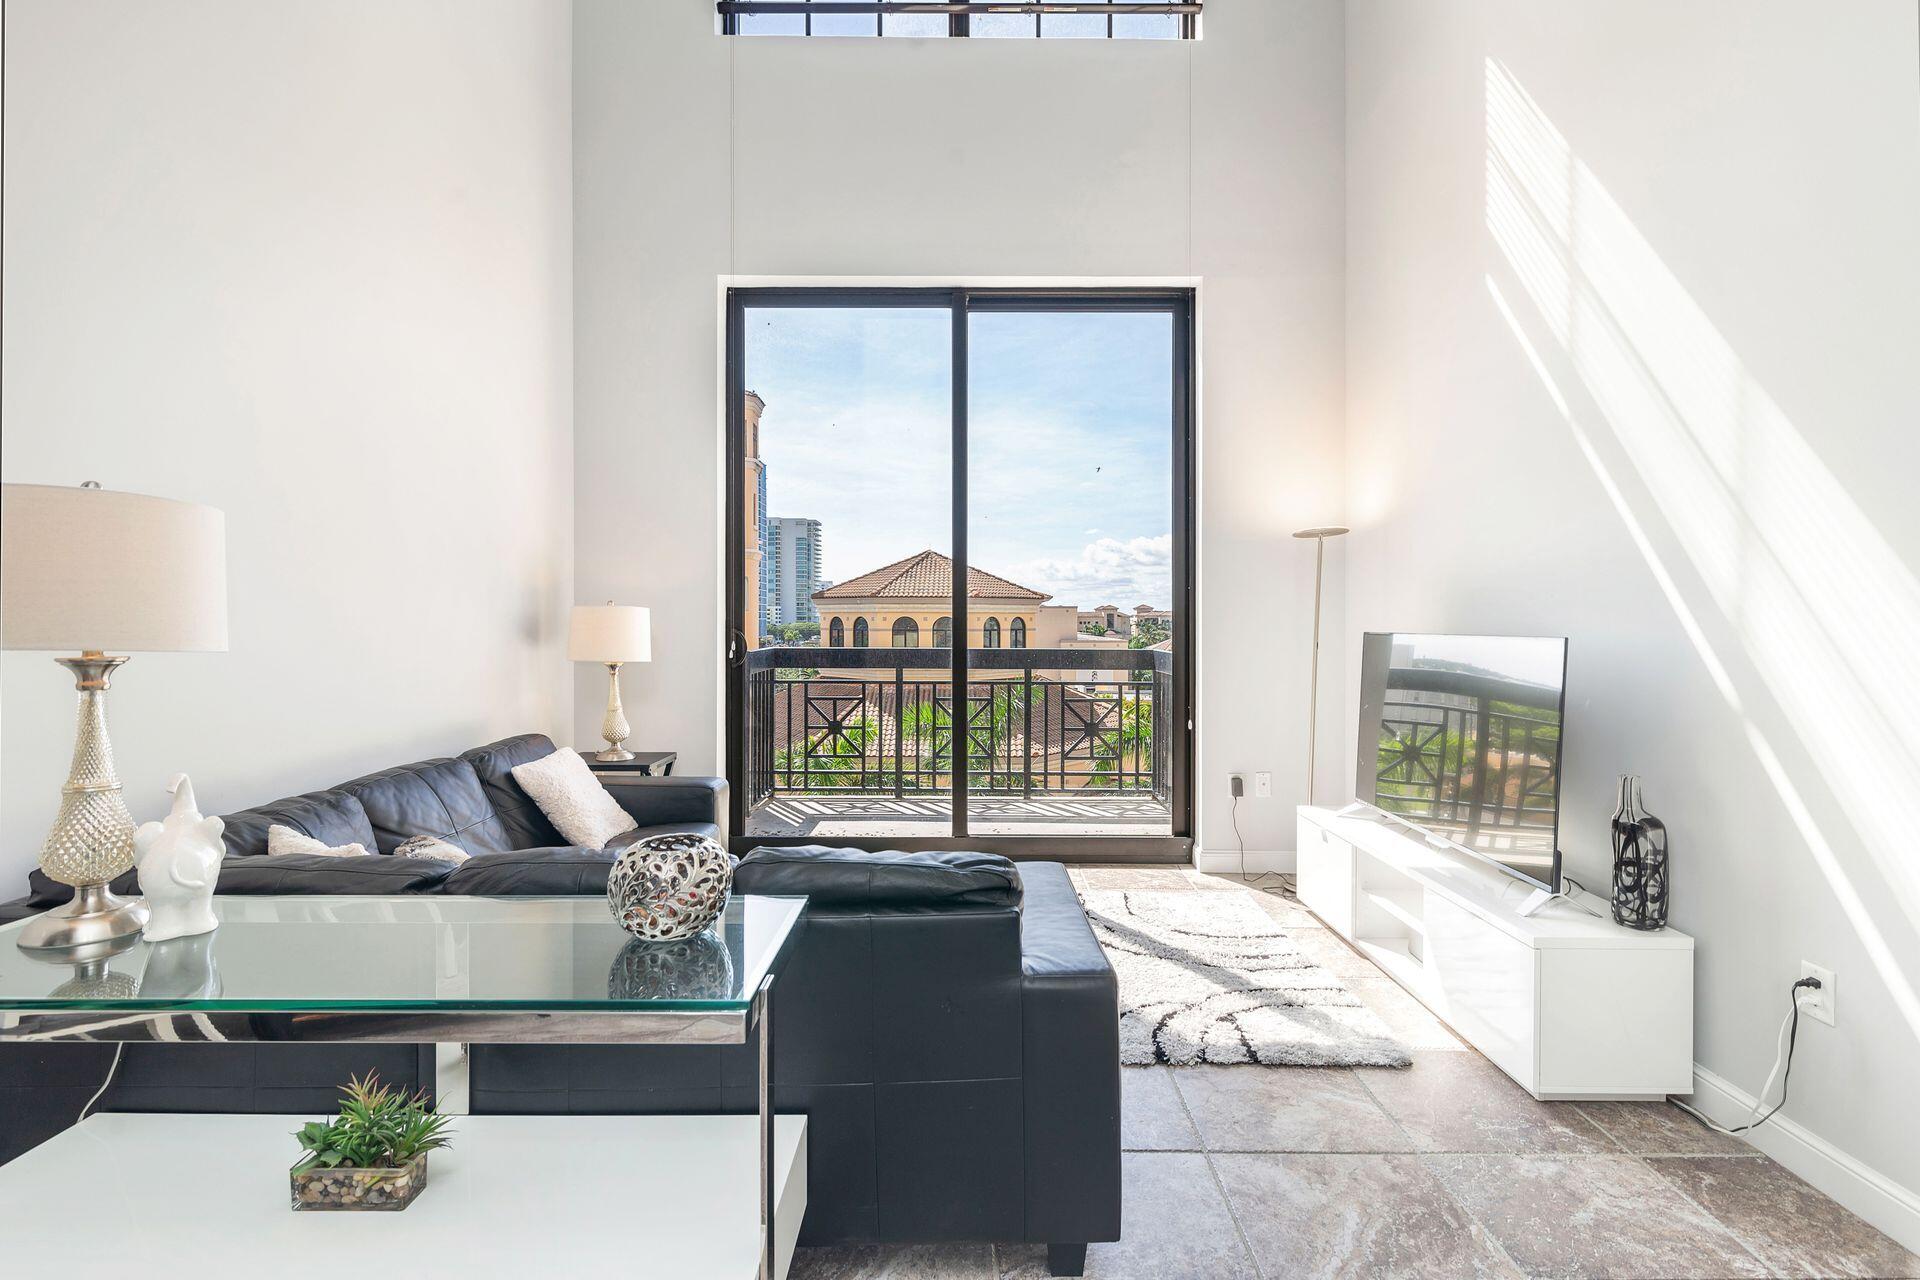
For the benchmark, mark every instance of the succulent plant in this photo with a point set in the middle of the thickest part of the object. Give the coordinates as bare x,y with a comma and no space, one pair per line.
378,1128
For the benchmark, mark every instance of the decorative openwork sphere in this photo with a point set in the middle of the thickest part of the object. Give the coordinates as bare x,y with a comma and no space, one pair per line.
696,968
667,887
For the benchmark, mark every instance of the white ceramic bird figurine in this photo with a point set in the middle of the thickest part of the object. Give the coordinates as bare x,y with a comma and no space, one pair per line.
178,861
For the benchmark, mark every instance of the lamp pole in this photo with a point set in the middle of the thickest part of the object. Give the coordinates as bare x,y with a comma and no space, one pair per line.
1319,534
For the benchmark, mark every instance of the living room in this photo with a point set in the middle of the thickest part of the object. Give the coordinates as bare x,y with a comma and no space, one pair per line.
463,340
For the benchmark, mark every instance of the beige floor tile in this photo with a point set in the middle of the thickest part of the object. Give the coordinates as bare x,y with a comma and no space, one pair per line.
1355,1215
1659,1129
1175,1224
1286,1109
1592,1217
1461,1102
894,1262
1152,1116
1793,1228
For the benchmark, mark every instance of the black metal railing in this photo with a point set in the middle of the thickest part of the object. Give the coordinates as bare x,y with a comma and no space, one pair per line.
1472,764
881,722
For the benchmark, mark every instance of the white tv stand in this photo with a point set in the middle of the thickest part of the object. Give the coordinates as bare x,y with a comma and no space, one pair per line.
1568,1005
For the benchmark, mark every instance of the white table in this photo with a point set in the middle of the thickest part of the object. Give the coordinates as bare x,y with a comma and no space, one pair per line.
523,1196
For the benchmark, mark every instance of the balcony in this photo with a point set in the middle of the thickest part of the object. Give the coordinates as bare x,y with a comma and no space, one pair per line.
860,742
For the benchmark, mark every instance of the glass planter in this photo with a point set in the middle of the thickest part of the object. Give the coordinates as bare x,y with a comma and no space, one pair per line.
371,1189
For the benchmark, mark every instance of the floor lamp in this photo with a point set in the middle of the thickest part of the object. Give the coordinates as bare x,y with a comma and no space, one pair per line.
1319,536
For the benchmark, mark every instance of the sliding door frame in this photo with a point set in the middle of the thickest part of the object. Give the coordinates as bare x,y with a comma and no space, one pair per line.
960,304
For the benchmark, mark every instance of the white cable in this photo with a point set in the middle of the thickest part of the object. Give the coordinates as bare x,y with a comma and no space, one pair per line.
112,1067
1779,1060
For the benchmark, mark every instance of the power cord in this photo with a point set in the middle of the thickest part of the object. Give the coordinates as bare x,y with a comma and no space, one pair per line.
1233,813
112,1067
1783,1057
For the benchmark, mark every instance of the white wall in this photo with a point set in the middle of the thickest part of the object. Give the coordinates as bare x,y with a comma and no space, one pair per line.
699,158
308,264
1702,219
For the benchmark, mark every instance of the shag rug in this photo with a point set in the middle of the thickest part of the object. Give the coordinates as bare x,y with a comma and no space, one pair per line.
1209,977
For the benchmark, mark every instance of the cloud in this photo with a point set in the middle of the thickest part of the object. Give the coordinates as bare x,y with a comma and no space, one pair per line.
1107,571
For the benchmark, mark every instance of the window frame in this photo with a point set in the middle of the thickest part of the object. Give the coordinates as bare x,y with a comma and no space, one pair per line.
959,15
1180,303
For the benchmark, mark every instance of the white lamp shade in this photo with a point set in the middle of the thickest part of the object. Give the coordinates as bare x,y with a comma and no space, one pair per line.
610,633
120,572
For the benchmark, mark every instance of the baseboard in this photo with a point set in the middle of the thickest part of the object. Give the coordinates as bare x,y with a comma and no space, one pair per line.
1258,860
1883,1202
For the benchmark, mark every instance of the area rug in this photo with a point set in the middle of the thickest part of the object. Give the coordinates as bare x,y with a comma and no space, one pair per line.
1209,977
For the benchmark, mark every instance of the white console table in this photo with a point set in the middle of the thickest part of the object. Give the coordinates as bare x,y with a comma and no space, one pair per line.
1569,1005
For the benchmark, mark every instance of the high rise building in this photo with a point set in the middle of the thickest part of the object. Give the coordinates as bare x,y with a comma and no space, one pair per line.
755,532
793,561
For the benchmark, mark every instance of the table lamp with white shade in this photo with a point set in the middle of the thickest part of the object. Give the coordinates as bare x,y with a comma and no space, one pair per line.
612,634
88,569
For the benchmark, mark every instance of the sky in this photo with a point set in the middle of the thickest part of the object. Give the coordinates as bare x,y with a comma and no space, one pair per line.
1069,442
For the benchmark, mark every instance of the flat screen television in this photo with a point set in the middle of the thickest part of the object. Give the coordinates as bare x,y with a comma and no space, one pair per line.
1460,737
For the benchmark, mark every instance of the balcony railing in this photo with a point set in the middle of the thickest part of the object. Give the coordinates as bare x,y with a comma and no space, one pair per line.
1037,722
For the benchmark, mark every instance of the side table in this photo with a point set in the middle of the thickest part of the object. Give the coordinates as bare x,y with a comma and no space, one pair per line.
645,764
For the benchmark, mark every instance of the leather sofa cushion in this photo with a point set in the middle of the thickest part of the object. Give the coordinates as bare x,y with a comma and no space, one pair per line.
877,883
526,826
334,817
320,873
708,829
532,873
440,798
560,869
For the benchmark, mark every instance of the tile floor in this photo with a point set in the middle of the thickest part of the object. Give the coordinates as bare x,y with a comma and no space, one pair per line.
1446,1169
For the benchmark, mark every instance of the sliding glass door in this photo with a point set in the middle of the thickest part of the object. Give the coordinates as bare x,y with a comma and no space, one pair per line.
1035,701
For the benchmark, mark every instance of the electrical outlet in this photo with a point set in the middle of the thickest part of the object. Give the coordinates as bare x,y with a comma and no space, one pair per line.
1237,784
1818,1005
1263,785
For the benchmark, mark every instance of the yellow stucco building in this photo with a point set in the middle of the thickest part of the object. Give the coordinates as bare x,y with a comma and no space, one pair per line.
909,605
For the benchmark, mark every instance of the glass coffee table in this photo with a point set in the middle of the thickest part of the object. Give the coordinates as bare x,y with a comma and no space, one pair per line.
423,970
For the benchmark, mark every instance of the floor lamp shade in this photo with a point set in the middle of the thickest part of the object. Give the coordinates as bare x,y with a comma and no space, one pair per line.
610,633
93,569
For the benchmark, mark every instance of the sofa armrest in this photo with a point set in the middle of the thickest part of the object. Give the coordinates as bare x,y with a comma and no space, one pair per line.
660,802
1070,1010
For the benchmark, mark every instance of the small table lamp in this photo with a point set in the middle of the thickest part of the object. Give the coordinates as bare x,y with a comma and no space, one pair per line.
92,570
613,634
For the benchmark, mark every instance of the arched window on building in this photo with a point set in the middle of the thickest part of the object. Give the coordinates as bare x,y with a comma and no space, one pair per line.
1017,634
943,633
859,633
906,633
836,634
990,634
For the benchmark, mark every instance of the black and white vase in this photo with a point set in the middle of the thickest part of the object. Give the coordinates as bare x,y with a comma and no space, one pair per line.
1639,862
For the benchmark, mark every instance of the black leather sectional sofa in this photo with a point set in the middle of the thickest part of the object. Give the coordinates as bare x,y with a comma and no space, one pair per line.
946,1021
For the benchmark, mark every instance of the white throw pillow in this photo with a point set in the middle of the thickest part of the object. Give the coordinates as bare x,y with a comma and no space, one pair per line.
430,847
286,840
572,798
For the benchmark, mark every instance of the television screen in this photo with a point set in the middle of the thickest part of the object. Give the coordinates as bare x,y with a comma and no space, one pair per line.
1460,736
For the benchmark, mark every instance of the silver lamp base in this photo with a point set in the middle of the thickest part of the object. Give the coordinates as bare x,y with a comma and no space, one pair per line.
94,918
614,727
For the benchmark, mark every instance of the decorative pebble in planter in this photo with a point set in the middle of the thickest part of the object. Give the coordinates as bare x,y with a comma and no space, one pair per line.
373,1155
344,1188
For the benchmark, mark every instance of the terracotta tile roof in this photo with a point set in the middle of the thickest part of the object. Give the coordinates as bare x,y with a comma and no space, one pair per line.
926,576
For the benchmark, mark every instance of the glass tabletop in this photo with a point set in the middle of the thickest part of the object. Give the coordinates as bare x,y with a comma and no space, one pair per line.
414,953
